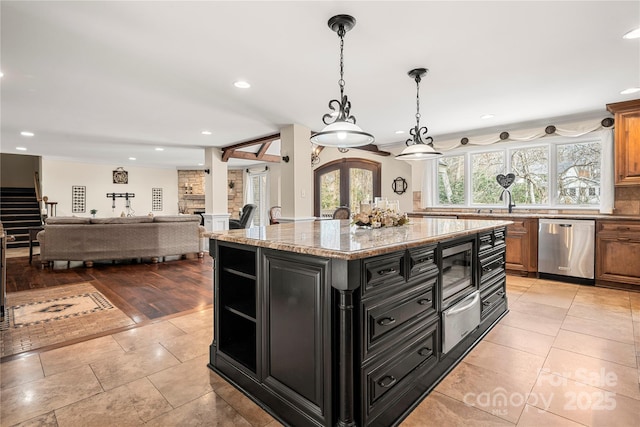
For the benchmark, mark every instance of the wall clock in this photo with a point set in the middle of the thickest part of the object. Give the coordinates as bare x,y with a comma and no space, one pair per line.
399,185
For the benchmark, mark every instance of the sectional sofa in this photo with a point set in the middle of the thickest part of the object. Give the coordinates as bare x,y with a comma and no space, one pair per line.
93,239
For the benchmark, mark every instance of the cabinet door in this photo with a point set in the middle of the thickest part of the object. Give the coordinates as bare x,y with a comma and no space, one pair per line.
617,258
296,353
627,142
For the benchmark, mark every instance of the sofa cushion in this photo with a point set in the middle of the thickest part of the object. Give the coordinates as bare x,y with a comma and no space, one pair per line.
177,218
122,220
67,220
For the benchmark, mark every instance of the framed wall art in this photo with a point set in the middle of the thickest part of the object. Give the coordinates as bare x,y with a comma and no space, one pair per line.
120,176
78,198
156,199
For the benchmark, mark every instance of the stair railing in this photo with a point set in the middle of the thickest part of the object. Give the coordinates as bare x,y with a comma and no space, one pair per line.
41,204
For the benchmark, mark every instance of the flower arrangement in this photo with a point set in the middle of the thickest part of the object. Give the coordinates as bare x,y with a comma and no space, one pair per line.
380,218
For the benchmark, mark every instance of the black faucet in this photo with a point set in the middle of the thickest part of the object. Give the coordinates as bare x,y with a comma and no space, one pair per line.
511,204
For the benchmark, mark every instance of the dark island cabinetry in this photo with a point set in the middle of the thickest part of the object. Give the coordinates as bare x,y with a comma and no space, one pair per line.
326,339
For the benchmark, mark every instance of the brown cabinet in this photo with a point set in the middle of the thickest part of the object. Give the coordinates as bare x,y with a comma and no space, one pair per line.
522,243
618,254
627,142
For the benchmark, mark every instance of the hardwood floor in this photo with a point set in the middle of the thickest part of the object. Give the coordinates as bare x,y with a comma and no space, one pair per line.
143,291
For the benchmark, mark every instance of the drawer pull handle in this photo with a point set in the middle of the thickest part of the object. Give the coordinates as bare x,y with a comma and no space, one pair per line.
424,301
424,351
387,381
486,303
386,271
386,321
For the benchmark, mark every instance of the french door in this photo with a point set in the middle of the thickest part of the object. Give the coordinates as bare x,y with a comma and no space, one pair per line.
345,182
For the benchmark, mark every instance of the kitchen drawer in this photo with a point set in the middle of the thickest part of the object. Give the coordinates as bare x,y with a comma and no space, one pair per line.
386,320
619,227
491,240
490,281
385,381
383,271
492,297
422,261
491,265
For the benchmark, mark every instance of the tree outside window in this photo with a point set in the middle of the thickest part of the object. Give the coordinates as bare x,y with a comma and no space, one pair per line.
531,168
578,169
485,190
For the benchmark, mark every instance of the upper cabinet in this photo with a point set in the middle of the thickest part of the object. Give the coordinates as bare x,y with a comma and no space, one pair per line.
627,142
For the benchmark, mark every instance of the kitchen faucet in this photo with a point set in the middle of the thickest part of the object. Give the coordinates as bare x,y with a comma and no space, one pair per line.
511,204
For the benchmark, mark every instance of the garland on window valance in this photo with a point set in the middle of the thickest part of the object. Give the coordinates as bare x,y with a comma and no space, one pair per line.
574,129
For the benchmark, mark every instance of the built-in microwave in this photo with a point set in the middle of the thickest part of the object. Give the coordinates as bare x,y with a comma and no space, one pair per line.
457,268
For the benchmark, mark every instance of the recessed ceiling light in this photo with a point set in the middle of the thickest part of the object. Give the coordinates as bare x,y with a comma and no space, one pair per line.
159,149
633,34
132,158
21,148
200,164
241,84
398,132
1,74
630,90
206,132
487,116
26,133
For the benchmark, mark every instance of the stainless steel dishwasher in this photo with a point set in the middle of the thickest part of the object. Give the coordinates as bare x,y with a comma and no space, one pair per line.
566,247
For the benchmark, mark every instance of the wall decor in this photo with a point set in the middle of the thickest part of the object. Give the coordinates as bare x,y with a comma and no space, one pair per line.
399,185
156,199
120,176
78,198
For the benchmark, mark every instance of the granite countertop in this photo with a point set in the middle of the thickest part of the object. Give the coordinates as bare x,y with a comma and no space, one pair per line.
530,215
339,239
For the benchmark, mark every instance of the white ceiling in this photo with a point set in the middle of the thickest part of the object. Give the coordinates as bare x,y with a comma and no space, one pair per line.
104,81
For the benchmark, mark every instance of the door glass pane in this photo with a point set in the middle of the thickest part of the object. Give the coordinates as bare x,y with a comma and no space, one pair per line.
484,169
361,187
578,174
329,193
451,180
531,168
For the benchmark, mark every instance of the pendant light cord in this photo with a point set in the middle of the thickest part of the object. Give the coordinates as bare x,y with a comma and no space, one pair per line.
418,78
341,33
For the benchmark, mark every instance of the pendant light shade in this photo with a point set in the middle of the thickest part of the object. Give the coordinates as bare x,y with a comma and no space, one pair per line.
417,148
341,129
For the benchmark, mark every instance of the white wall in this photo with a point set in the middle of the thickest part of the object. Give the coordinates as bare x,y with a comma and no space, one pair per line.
391,169
59,176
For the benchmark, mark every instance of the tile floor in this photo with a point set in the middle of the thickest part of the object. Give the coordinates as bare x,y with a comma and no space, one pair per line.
565,355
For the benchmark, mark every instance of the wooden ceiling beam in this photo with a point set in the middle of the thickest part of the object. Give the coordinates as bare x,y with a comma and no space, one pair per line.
373,149
232,152
252,156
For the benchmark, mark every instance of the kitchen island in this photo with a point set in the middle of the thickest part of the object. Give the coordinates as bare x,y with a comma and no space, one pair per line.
323,323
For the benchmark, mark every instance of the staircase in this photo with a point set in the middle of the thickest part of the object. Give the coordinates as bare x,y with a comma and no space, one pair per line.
19,211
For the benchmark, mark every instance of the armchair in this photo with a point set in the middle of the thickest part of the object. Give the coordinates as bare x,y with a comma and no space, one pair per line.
248,211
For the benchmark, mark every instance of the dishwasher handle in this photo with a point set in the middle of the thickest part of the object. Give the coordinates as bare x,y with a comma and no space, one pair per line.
565,225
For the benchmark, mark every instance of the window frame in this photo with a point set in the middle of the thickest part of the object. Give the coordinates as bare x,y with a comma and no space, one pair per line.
508,147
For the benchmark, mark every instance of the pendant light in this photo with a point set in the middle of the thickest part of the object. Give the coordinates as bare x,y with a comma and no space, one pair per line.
341,129
417,149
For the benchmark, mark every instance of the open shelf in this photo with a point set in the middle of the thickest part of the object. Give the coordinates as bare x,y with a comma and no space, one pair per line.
241,309
238,339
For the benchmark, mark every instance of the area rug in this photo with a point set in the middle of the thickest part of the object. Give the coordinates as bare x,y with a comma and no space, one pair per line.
42,317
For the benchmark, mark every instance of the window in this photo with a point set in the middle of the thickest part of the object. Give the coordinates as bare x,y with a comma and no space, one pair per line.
451,180
578,169
484,169
531,168
557,173
345,182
